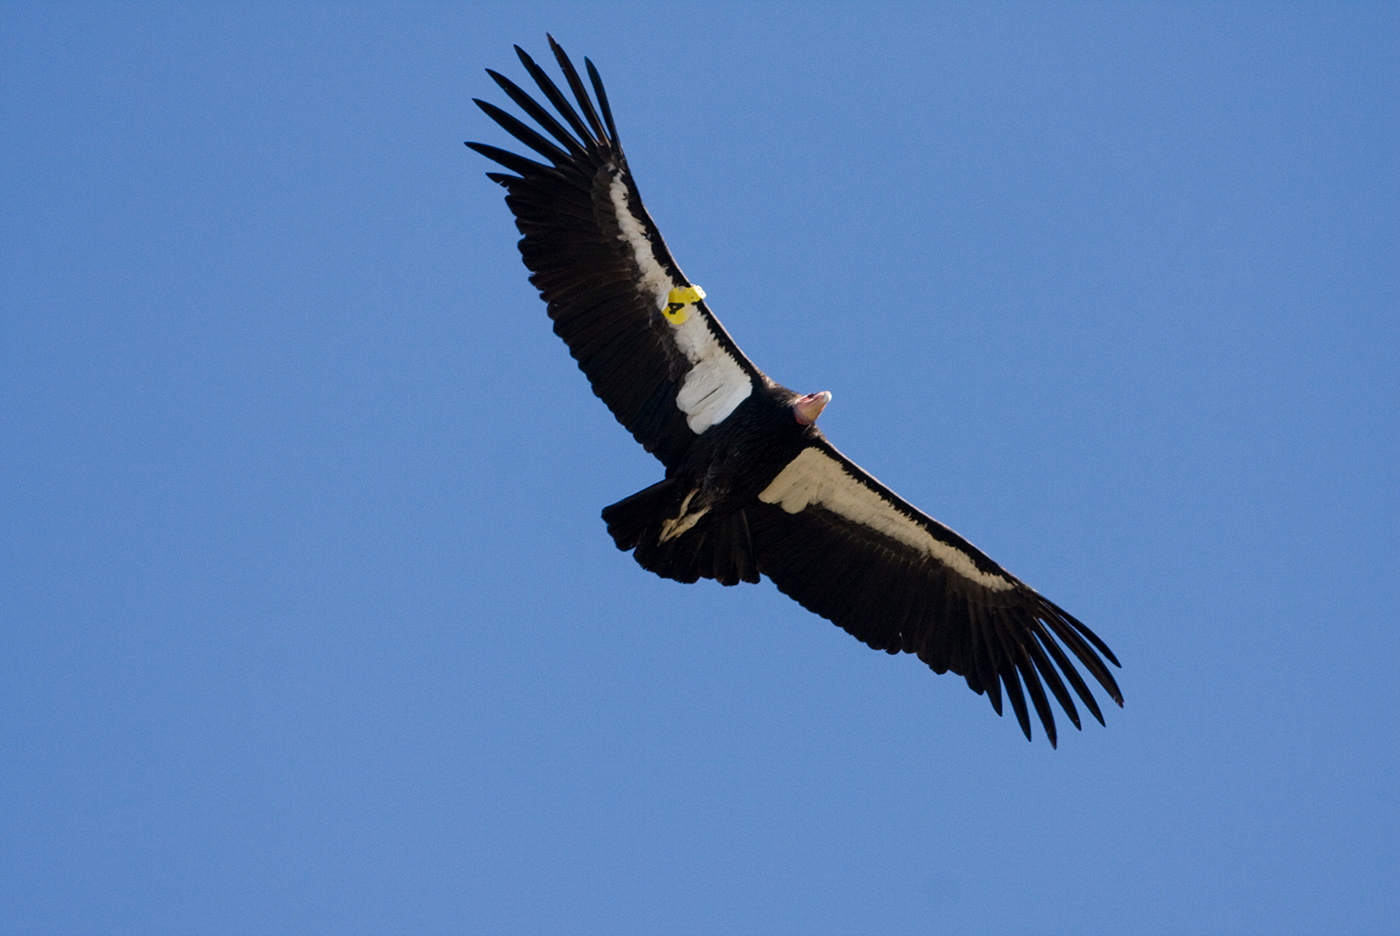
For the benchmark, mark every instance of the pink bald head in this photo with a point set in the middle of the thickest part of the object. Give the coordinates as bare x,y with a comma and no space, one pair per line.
809,407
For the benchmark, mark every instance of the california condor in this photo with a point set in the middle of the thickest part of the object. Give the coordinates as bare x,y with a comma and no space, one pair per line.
752,486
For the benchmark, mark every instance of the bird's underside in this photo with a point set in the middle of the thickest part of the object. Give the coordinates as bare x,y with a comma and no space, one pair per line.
752,486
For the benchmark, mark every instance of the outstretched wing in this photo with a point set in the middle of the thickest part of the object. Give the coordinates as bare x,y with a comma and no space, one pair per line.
850,549
637,327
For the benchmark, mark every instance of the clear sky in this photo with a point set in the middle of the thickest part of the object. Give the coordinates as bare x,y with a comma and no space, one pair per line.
309,624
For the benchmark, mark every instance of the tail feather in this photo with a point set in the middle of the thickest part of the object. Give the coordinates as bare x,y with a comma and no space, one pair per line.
718,546
630,517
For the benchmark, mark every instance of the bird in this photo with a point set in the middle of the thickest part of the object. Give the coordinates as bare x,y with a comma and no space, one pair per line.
752,487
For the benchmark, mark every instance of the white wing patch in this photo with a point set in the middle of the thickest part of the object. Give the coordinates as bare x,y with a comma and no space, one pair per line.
715,383
654,278
813,477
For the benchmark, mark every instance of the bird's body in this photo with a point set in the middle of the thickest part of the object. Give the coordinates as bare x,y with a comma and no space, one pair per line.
704,502
752,486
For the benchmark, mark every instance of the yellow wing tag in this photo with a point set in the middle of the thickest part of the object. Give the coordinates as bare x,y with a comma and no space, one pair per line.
679,301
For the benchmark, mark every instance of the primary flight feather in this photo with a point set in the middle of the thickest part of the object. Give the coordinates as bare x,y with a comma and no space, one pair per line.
752,486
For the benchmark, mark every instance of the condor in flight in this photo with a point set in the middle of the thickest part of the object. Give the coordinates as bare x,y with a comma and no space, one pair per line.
752,485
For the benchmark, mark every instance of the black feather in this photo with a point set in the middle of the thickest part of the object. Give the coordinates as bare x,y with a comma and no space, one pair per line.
538,114
580,94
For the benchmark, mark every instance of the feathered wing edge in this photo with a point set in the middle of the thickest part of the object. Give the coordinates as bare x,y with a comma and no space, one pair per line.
859,564
598,259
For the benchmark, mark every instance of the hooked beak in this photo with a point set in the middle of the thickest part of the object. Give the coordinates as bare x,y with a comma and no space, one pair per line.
809,407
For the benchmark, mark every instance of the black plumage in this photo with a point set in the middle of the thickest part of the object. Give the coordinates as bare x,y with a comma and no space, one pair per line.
752,486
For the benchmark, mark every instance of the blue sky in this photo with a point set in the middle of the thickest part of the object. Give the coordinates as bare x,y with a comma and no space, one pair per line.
308,622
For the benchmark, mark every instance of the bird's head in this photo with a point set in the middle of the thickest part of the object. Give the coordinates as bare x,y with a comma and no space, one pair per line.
808,408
